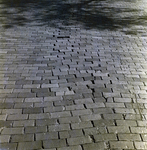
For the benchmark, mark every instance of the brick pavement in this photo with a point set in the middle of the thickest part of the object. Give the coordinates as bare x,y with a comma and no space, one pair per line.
72,89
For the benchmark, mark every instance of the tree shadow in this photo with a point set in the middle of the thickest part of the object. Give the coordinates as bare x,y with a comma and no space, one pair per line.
47,12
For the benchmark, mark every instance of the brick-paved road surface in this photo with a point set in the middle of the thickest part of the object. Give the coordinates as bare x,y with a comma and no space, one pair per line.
79,86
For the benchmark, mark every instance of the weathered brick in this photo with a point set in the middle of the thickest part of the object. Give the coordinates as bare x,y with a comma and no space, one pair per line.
94,146
79,140
39,116
17,117
69,120
121,144
37,129
141,145
129,137
22,138
9,131
90,117
105,137
54,143
29,145
45,122
126,123
4,138
81,112
59,127
46,136
60,114
12,111
81,125
138,130
11,146
71,148
118,129
24,123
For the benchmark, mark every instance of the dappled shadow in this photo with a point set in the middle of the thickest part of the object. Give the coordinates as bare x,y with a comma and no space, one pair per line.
90,13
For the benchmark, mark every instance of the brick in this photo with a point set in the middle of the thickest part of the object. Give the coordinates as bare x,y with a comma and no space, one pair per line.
64,134
37,129
94,146
46,136
124,111
81,112
3,117
138,130
54,143
103,110
61,114
94,130
90,117
81,125
95,105
39,116
11,111
9,131
105,137
59,127
4,138
129,137
17,117
75,133
115,105
113,116
126,123
83,101
118,129
133,117
23,123
103,123
23,105
33,100
29,145
74,107
11,146
45,122
22,138
122,145
142,123
32,110
79,140
144,137
5,123
69,120
71,148
141,145
54,109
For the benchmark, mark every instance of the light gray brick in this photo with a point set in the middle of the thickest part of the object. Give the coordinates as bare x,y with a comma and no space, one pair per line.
35,129
90,117
81,125
59,127
69,120
141,145
3,117
9,131
121,144
74,107
105,137
33,100
71,148
138,130
118,129
12,111
81,112
95,105
39,116
22,138
17,117
94,146
79,140
24,123
61,114
124,111
83,101
129,137
126,123
29,145
4,138
46,136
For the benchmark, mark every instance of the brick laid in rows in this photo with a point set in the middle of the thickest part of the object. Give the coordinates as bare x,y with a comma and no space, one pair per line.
71,148
4,138
121,144
129,137
46,136
9,131
95,146
35,129
81,125
105,137
59,127
118,129
22,138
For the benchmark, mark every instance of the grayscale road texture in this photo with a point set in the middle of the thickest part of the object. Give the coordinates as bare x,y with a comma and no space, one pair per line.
73,75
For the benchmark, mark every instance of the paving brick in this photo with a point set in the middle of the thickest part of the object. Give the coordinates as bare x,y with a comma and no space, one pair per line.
129,137
94,146
39,116
32,110
22,138
121,144
95,105
61,114
46,136
4,138
3,117
54,143
81,112
103,123
138,130
118,129
126,123
113,116
17,117
9,131
71,148
81,125
54,109
12,111
140,145
103,110
11,146
69,120
83,101
94,130
23,123
45,122
59,127
29,145
37,129
79,140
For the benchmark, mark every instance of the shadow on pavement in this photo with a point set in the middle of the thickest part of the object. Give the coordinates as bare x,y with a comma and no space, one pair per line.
91,13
